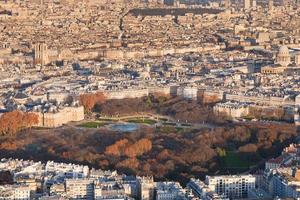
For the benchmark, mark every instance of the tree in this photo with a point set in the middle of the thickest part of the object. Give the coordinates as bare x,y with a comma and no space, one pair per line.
31,119
221,152
88,101
139,148
12,122
117,148
130,163
163,155
248,148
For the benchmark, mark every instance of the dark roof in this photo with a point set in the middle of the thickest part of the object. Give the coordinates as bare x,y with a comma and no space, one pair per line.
20,96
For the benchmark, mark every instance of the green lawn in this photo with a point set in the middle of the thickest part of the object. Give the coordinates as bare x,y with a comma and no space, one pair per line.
166,129
142,121
179,129
235,160
92,124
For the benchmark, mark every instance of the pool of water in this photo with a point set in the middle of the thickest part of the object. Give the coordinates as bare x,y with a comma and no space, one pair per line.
124,127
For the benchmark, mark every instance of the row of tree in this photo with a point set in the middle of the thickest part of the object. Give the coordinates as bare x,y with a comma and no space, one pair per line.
125,148
12,122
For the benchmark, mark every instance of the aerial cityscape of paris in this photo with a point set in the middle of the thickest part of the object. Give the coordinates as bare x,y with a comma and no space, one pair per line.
149,99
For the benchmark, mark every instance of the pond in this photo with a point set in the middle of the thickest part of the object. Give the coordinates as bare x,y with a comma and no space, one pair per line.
124,127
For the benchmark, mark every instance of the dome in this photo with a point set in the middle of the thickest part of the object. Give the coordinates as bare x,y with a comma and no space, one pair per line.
284,50
283,56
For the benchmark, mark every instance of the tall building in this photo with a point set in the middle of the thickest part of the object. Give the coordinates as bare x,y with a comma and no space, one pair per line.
176,3
231,186
145,186
297,59
227,4
271,5
284,185
41,54
247,4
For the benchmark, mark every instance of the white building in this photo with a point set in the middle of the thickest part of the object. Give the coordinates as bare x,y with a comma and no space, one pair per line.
283,57
247,4
80,188
232,109
202,191
188,92
145,186
109,190
168,191
236,186
16,192
76,170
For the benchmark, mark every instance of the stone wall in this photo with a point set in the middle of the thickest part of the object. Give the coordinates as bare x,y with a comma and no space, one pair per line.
271,101
139,53
123,94
138,93
212,96
172,90
232,111
63,116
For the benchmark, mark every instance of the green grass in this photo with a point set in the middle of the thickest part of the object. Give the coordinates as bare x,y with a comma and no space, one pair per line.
179,129
92,124
142,121
234,160
167,129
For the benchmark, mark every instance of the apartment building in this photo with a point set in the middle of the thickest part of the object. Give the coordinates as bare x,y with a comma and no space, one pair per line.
231,186
16,192
80,188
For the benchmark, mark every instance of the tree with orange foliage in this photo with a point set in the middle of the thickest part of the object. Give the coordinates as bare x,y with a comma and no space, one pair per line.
30,119
123,147
139,148
12,122
8,145
248,148
88,101
117,148
130,163
164,154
